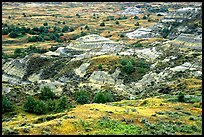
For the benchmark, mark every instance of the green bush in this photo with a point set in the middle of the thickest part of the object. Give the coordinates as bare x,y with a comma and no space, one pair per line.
5,31
19,53
45,24
82,97
181,97
83,33
53,48
75,36
13,34
102,24
30,104
78,15
122,35
136,17
110,97
62,104
40,107
46,93
100,67
129,68
165,32
4,55
117,22
100,98
125,60
51,105
87,27
137,24
144,17
65,28
7,106
36,106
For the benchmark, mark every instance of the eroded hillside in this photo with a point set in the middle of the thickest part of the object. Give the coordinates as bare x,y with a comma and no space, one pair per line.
137,70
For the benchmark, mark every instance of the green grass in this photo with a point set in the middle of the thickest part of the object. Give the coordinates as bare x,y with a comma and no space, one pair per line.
106,126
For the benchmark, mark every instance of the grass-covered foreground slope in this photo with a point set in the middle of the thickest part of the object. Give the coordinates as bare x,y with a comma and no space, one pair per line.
160,115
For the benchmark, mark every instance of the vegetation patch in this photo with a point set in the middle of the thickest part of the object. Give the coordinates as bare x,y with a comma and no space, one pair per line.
133,69
106,62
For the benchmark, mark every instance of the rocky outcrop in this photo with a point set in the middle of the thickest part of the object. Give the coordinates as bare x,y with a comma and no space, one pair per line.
95,43
150,54
102,77
81,71
142,33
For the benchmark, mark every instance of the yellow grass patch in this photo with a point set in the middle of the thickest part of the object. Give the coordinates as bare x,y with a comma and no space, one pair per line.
109,63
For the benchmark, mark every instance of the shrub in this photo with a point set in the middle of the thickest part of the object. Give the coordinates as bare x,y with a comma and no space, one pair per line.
45,24
13,34
110,97
51,105
74,37
100,98
71,29
138,45
144,17
46,93
141,70
136,17
29,104
5,31
53,48
122,35
82,97
65,28
35,38
7,106
83,33
122,17
4,55
165,32
137,24
100,67
19,53
181,97
57,29
124,61
87,27
61,104
102,24
40,107
78,15
129,68
117,22
110,18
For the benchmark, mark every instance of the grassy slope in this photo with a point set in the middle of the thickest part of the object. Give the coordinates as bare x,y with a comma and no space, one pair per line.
86,117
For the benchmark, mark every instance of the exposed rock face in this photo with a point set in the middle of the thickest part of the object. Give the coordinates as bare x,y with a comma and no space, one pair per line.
182,14
101,77
150,54
132,11
15,68
81,71
142,33
50,53
191,41
95,42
